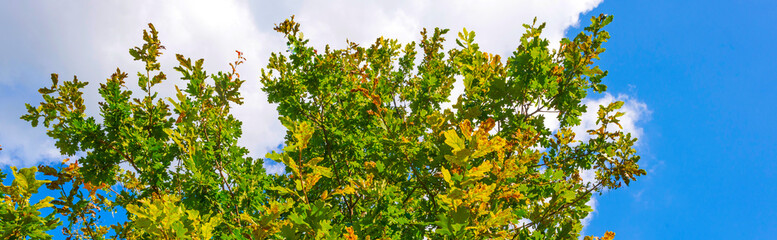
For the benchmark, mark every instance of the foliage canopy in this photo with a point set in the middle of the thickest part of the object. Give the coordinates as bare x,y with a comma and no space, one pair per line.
370,152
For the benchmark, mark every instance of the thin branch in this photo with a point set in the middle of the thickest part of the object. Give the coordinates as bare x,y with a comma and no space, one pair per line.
555,211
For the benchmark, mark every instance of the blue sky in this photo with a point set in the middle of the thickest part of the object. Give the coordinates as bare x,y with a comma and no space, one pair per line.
706,69
698,77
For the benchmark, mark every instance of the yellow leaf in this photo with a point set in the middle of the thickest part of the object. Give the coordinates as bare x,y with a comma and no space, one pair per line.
486,146
323,171
291,164
310,181
315,161
369,164
466,127
487,125
44,203
345,190
453,140
608,236
460,157
481,193
350,235
446,175
92,188
302,133
479,171
324,195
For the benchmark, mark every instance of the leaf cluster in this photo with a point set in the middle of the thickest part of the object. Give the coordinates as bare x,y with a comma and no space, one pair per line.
370,151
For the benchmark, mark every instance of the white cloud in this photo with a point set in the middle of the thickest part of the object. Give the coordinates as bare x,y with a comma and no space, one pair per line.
275,168
587,220
498,23
92,40
20,142
635,111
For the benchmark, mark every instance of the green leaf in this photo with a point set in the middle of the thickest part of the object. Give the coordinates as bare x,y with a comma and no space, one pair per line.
568,196
323,171
460,158
617,104
44,203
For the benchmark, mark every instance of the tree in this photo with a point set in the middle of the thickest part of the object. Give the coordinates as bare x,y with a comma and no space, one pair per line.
369,153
